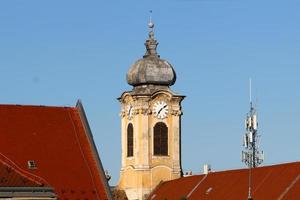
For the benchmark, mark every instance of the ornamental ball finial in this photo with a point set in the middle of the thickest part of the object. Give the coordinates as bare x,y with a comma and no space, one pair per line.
150,24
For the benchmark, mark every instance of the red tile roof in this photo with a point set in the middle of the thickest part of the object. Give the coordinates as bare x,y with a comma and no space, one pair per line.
13,176
280,182
59,141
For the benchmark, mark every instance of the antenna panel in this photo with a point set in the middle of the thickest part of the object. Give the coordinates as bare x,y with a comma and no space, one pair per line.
245,141
249,121
254,120
250,135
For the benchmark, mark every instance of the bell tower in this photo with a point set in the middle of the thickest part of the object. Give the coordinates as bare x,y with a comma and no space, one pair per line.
150,125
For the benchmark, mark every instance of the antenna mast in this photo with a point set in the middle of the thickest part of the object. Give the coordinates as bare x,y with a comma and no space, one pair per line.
251,156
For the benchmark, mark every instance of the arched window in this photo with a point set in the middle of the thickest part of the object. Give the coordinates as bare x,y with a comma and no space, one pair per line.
160,139
129,140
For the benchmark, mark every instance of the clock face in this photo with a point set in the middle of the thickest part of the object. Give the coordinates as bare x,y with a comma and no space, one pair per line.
129,111
160,109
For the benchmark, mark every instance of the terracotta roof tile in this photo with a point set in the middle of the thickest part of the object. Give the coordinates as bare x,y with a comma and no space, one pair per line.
269,183
12,176
56,140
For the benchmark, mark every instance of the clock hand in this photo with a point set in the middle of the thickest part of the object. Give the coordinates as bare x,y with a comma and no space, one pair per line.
162,109
129,111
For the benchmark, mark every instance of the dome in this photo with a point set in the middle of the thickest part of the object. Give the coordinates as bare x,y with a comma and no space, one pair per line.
151,69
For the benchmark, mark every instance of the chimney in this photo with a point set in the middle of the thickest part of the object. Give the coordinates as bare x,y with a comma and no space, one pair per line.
189,173
206,169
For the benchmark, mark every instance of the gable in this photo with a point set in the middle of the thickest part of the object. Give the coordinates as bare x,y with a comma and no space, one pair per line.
56,139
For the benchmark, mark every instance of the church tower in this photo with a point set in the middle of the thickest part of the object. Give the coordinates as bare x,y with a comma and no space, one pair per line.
151,125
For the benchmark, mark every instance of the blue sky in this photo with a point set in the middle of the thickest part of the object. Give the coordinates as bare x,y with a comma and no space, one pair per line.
55,52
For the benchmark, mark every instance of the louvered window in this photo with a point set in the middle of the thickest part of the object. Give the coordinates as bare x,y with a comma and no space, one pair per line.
129,140
160,139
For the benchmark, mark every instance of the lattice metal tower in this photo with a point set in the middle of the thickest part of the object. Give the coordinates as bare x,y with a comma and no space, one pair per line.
251,155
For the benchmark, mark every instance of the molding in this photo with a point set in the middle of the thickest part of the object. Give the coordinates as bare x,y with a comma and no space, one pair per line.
130,158
161,157
162,166
27,192
142,167
146,111
176,112
122,114
129,167
169,93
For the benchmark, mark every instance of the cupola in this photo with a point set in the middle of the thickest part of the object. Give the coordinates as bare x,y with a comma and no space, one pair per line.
151,69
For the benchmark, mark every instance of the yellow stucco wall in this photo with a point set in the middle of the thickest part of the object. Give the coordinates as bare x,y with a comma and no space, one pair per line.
143,172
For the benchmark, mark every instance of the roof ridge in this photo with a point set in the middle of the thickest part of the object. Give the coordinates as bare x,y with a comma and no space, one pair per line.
242,169
283,194
32,177
261,167
196,186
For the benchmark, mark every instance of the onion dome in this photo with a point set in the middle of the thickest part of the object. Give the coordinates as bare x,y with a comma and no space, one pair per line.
151,69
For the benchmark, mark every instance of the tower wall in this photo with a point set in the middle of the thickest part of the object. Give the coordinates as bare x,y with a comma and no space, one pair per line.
142,172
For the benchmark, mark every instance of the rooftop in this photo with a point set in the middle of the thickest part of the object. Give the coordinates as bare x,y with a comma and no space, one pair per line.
54,147
268,183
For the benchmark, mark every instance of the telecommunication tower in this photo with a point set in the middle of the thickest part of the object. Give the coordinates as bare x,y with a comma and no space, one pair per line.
251,155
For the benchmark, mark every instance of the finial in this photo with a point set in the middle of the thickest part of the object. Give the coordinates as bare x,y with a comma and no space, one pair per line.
150,24
151,43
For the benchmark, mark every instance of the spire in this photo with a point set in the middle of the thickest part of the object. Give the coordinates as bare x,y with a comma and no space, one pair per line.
151,43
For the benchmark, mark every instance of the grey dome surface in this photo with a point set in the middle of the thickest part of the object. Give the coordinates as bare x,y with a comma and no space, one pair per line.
151,69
